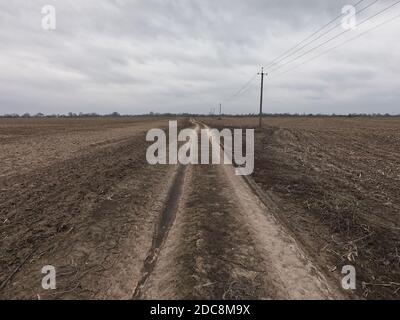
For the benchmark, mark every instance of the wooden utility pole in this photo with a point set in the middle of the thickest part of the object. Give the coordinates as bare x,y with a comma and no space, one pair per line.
262,73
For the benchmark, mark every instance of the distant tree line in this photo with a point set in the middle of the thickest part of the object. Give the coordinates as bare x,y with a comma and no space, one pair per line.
154,114
349,115
68,115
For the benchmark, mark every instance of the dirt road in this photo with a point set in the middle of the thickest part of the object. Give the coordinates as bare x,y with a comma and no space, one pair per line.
225,244
112,230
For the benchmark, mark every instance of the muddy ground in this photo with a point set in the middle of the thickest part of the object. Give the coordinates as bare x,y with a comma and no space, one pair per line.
336,185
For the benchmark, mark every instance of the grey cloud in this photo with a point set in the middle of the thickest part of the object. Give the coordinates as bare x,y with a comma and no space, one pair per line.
186,56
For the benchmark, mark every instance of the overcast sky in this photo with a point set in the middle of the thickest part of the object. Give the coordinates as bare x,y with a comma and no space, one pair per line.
136,56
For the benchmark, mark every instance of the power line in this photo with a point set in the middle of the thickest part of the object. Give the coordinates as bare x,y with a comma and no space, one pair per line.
339,45
252,85
247,86
309,37
321,35
244,87
335,37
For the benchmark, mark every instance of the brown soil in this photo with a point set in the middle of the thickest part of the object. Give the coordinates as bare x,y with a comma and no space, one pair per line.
336,184
225,244
90,212
79,195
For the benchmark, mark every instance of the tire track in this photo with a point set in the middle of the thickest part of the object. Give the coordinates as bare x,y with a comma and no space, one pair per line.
217,240
162,229
92,218
290,266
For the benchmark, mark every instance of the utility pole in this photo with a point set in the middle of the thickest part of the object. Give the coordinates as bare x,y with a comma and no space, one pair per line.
220,111
262,73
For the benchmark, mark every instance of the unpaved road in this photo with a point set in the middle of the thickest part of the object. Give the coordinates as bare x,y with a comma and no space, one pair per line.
117,228
225,244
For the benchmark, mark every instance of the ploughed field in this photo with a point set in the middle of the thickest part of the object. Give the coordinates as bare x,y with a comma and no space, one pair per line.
78,194
335,183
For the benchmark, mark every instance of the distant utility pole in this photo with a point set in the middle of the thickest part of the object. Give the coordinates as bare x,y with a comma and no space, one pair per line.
262,73
220,110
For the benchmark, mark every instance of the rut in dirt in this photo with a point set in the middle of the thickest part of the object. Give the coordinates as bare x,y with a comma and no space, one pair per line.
162,229
225,244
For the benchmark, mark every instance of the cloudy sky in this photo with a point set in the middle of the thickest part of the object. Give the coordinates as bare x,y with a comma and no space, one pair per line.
136,56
